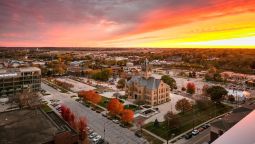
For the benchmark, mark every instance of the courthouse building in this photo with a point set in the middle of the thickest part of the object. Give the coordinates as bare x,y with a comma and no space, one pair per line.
147,88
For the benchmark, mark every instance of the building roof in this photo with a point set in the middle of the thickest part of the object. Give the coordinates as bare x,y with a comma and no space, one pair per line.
12,72
149,83
241,133
231,119
26,126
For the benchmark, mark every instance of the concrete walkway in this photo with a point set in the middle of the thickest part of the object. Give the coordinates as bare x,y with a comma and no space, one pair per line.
163,140
175,138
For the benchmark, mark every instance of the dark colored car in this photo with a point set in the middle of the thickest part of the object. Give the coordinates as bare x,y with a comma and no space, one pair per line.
205,126
138,133
109,117
188,135
102,141
123,125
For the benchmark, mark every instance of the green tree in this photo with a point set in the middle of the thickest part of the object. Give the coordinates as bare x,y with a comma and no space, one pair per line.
170,81
102,75
121,83
216,93
156,123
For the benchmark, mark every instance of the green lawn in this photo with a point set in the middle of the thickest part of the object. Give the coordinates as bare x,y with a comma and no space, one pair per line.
104,102
131,107
46,108
186,120
151,139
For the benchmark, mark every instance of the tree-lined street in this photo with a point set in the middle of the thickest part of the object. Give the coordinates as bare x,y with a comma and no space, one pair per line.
114,134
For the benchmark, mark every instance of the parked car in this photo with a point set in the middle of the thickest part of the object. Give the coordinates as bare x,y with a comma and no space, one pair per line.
205,126
138,133
102,141
200,129
109,117
91,136
123,125
188,135
90,131
97,138
116,121
195,132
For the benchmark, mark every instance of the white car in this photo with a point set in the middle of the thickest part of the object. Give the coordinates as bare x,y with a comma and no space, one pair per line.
97,138
92,135
116,121
195,132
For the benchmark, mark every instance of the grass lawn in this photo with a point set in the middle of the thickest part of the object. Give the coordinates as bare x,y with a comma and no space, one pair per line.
46,108
151,139
131,107
104,102
186,120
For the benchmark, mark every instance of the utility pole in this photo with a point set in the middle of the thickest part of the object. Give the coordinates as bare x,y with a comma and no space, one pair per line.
193,124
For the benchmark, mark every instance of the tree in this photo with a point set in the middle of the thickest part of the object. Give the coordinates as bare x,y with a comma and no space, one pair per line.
203,104
115,107
171,120
252,65
28,99
191,88
121,83
90,96
82,124
102,75
204,89
96,98
216,93
127,116
231,98
156,123
183,105
170,81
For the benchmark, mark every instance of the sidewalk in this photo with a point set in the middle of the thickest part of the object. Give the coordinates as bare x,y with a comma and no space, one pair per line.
163,140
210,120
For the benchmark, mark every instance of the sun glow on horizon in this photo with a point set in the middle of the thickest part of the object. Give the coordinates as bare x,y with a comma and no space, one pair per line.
197,24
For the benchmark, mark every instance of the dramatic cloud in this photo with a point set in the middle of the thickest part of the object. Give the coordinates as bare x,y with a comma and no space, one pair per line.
127,23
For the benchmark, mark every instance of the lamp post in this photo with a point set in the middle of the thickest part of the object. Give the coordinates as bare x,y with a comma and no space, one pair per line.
193,123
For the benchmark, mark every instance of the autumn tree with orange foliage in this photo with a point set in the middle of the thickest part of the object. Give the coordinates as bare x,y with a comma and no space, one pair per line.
115,107
127,115
90,96
191,88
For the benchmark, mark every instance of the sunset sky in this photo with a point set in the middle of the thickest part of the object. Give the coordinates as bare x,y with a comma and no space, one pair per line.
128,23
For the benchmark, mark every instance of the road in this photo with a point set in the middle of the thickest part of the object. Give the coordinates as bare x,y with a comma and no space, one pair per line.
114,134
202,137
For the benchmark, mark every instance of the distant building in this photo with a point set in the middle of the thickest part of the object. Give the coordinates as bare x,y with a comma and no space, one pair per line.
146,88
15,80
129,64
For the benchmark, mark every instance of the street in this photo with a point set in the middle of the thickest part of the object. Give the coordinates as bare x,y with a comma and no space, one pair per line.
202,137
114,134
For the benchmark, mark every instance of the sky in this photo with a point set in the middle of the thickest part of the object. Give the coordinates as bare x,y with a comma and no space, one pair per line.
128,23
